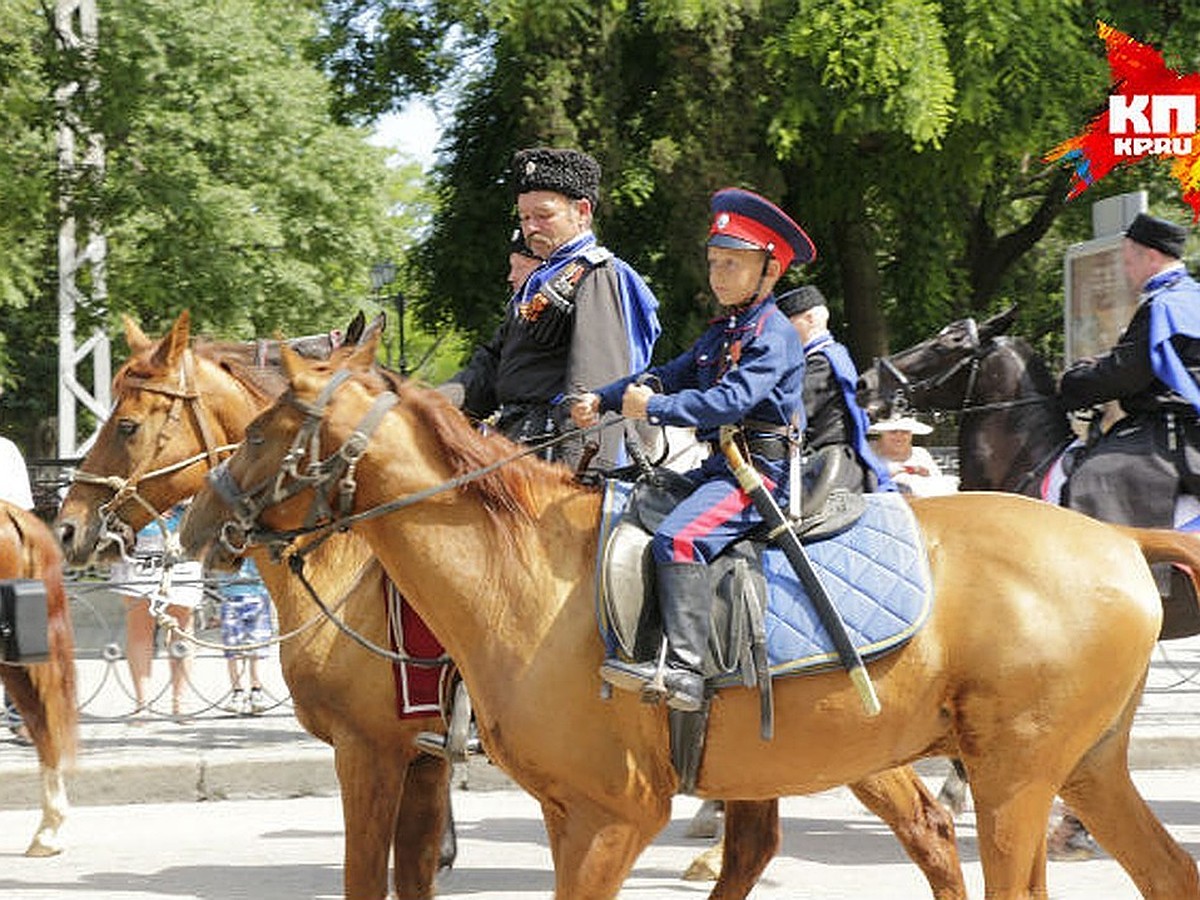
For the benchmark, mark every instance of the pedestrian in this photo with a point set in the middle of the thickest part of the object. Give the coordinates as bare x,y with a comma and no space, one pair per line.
747,369
245,632
139,579
836,423
911,467
581,319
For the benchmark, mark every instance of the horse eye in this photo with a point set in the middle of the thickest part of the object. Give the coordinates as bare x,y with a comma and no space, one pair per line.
254,436
127,427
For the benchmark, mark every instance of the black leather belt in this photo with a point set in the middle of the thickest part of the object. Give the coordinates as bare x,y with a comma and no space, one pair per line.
774,447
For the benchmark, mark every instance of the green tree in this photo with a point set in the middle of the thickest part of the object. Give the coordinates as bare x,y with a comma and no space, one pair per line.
230,187
906,135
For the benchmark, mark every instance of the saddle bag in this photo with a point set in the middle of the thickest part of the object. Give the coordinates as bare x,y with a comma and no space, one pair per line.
24,621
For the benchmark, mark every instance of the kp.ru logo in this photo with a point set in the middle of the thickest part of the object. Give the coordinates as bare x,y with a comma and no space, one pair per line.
1151,112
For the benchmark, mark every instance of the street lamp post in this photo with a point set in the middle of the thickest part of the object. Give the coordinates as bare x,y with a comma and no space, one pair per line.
382,276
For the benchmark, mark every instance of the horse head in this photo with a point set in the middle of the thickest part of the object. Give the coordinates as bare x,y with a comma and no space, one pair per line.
298,469
178,410
934,374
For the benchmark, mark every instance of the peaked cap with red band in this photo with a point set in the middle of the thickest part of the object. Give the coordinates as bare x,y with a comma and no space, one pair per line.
742,220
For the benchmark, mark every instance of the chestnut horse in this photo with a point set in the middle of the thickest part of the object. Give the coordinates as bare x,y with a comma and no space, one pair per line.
143,449
176,407
500,561
43,692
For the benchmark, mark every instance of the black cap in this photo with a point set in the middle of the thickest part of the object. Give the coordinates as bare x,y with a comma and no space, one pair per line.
568,172
516,244
799,300
1159,234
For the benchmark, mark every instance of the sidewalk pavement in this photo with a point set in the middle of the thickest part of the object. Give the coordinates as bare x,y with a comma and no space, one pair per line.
218,753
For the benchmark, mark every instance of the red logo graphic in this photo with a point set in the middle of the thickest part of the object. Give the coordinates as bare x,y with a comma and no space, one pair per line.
1151,112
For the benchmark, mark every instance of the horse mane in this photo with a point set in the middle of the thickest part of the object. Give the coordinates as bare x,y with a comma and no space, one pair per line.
1039,373
509,491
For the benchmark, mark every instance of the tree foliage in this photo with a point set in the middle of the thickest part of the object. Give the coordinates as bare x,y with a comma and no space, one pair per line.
906,135
229,188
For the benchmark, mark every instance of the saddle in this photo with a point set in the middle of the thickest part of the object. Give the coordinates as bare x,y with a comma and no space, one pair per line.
736,652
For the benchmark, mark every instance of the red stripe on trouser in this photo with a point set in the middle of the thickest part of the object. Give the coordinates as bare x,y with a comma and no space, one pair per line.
684,543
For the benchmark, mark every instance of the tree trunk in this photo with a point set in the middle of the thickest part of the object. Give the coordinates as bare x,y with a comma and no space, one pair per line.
867,337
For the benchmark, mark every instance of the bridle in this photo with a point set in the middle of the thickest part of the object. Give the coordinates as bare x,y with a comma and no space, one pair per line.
910,394
302,469
184,395
914,394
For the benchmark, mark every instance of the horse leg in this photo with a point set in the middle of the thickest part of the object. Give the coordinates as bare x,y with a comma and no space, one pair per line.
1104,797
594,848
1011,810
420,826
706,823
24,693
953,794
922,825
46,841
371,780
751,841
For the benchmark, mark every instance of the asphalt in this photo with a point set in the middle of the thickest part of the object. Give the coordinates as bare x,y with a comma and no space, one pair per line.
218,752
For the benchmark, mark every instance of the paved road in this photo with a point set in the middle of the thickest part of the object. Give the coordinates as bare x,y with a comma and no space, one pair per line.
288,849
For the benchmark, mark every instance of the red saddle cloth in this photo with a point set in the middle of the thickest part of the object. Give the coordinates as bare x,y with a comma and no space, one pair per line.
419,689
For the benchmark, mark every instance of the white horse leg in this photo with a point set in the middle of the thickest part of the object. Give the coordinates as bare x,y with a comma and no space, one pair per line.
706,823
46,841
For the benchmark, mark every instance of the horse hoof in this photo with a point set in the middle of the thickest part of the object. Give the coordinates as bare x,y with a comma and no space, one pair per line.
705,830
41,848
1069,841
706,866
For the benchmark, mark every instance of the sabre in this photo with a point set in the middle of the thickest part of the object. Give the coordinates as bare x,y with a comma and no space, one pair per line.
782,534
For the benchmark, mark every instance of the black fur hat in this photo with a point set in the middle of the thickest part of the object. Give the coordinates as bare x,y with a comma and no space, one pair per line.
568,172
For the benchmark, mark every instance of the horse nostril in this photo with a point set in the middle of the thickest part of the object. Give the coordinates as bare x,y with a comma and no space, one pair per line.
66,533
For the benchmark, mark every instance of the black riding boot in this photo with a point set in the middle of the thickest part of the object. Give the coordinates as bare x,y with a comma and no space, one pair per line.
685,598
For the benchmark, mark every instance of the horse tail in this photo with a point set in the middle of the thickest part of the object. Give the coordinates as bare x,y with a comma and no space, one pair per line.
1164,545
45,692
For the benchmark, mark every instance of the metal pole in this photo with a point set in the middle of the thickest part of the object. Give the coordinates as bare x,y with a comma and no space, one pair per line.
77,31
401,302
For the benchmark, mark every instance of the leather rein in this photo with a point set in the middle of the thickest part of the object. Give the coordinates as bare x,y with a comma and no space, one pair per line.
335,473
909,390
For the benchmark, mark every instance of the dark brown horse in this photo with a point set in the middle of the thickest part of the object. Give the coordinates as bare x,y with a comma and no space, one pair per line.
502,567
44,692
1012,423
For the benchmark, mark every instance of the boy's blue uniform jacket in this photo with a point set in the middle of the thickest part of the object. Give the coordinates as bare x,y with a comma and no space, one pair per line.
748,365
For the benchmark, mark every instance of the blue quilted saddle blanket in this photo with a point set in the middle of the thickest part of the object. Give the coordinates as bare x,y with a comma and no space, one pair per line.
876,573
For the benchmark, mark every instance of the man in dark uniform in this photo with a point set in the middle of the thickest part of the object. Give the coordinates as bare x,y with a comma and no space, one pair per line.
1133,473
746,369
835,420
581,319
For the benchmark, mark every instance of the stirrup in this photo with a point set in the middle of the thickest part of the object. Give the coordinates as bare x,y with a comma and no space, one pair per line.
456,743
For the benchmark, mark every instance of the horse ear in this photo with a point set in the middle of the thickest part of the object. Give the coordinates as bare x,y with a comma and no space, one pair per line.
355,329
291,361
376,327
135,338
998,324
174,342
362,357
